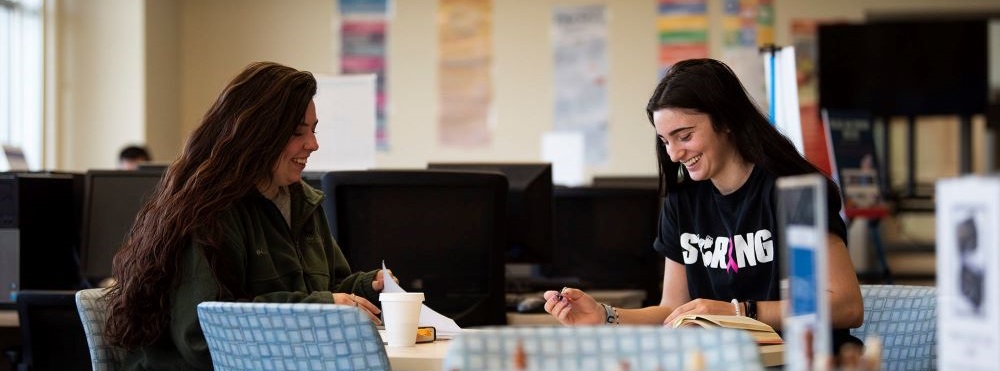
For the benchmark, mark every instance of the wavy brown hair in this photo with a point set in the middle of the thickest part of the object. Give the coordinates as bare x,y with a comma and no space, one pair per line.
236,146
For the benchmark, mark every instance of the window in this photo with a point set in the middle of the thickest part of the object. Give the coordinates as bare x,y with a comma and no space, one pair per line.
21,77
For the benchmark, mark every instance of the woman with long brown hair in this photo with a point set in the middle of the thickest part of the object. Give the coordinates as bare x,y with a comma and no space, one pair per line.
231,220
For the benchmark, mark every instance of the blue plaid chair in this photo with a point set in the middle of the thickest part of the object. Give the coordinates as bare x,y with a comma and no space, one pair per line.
603,348
91,305
273,336
905,319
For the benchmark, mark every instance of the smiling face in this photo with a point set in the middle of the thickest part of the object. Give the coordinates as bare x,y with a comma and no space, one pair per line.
691,140
291,163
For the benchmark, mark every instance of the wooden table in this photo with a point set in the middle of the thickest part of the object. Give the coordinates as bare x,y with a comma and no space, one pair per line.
8,318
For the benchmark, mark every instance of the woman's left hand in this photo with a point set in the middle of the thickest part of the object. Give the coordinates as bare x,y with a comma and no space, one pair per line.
378,284
700,306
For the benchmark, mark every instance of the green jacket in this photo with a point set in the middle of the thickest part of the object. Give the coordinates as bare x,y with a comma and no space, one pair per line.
270,262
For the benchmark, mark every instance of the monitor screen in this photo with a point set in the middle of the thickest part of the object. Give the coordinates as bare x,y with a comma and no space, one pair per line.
112,200
627,181
604,237
439,232
904,67
529,207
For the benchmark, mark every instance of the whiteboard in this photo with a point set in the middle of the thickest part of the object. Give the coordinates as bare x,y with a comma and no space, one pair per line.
345,107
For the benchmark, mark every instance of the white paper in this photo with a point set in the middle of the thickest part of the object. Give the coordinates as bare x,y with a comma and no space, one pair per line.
967,216
446,327
345,107
565,150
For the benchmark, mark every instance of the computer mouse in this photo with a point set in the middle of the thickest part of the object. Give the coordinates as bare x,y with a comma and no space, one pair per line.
532,304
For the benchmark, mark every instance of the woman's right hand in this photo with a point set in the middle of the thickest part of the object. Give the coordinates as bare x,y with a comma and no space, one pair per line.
573,307
361,303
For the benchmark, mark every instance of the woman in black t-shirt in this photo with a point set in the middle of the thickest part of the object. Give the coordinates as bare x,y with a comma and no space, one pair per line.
718,226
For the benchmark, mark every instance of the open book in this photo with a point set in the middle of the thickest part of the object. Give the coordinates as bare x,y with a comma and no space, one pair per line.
760,331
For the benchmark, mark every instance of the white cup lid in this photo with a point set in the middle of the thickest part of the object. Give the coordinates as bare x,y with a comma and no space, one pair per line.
401,296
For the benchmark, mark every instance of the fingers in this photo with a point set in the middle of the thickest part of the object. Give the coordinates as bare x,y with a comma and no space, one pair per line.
549,294
374,318
699,306
669,322
366,306
684,309
560,304
378,284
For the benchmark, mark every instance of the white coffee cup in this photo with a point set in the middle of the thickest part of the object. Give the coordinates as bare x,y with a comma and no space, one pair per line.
401,312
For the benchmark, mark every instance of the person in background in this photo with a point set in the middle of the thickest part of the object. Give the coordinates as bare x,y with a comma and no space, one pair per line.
719,158
131,156
231,220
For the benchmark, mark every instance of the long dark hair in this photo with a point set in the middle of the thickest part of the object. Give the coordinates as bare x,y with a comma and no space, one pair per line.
710,87
236,146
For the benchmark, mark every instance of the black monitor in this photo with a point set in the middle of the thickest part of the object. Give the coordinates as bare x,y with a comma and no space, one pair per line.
529,207
604,239
627,181
914,67
153,166
112,199
440,232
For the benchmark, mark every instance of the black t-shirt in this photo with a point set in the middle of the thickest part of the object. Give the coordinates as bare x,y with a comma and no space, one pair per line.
698,225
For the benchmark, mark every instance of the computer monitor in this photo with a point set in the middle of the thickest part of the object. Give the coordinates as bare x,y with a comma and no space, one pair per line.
604,239
440,232
627,181
112,199
153,166
529,207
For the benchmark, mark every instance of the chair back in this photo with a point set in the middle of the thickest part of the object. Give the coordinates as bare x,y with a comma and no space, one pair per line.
52,337
273,336
602,348
93,312
905,319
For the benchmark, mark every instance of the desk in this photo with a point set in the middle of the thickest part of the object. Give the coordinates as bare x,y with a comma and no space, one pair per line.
430,356
8,318
422,357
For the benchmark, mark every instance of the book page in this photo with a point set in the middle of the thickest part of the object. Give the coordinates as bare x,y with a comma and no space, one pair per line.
761,332
727,321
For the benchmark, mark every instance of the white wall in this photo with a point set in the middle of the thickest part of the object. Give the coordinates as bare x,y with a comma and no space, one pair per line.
220,37
101,81
163,107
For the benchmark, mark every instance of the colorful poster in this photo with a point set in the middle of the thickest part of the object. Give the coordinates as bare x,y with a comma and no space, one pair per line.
813,134
363,29
748,25
580,69
682,26
465,41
